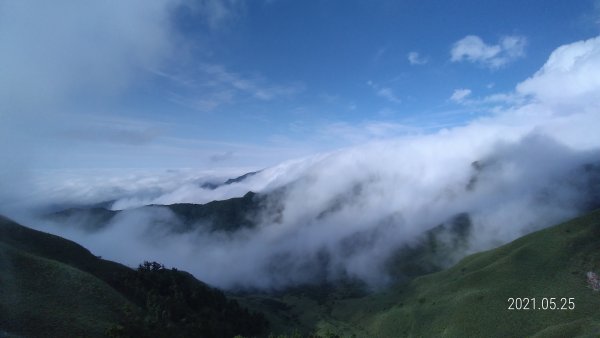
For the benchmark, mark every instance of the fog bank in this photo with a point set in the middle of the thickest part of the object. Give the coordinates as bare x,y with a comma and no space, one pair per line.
342,214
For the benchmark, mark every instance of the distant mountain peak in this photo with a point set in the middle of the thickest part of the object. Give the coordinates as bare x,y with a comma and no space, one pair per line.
213,185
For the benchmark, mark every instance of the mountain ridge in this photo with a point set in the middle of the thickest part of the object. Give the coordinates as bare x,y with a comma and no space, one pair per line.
55,287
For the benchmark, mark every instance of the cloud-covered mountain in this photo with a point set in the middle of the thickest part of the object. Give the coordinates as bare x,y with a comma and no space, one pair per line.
343,214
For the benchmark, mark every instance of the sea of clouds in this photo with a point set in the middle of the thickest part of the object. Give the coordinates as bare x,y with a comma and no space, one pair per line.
343,213
329,216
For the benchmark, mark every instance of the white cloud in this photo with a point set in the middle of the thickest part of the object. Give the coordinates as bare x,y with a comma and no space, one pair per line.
415,59
57,51
356,206
56,56
473,49
459,95
70,59
384,92
571,75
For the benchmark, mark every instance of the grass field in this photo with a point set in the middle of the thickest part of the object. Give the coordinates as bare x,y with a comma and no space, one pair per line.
471,298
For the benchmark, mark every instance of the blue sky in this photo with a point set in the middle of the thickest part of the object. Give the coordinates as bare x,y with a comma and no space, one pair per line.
222,83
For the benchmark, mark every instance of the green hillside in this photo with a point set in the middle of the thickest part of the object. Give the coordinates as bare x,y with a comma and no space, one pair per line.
41,295
471,298
52,287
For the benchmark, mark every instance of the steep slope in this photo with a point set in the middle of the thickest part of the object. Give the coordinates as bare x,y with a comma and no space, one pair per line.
52,287
471,298
42,296
226,215
56,248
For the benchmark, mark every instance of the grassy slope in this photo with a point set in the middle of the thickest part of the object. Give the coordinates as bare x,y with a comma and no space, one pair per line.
57,248
41,295
470,299
53,287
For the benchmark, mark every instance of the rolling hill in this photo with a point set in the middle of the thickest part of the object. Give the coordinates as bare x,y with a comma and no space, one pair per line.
52,287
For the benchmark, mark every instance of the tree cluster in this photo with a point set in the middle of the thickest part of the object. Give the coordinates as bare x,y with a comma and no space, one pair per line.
175,304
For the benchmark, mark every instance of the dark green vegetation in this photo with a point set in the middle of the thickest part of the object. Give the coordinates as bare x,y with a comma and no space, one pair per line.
226,215
177,305
471,298
52,287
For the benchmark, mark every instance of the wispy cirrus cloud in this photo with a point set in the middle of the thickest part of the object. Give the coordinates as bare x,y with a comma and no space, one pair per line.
211,86
473,49
464,97
459,95
414,58
384,92
379,54
204,102
110,130
254,86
